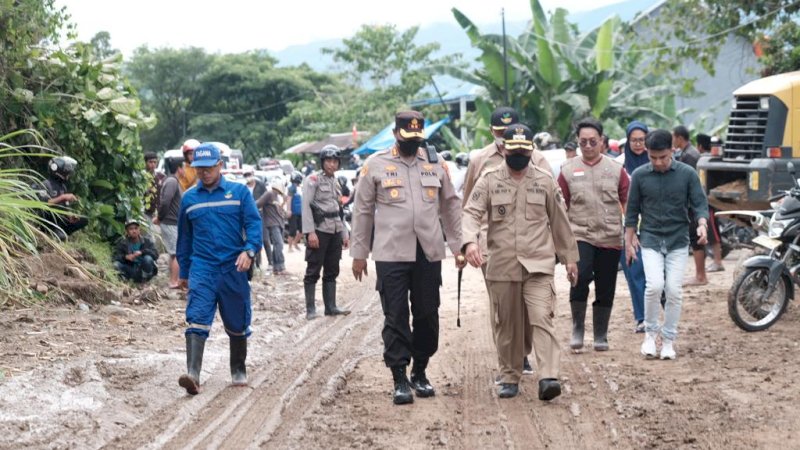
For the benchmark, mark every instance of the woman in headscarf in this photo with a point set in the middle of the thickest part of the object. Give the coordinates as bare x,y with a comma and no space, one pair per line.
635,155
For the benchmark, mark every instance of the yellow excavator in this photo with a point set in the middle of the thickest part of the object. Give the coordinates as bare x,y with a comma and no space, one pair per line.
763,136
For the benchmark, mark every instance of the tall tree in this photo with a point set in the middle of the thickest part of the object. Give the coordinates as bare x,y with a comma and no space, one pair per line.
101,45
168,81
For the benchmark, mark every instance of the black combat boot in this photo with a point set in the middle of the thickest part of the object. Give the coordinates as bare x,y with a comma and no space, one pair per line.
238,357
578,317
508,390
419,382
329,298
311,309
549,388
402,390
195,344
600,318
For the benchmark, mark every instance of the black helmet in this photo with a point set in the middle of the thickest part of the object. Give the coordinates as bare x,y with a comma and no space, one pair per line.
462,159
446,155
297,177
62,166
330,151
342,180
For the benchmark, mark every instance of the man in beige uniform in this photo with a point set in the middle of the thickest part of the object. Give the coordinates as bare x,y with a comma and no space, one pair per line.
527,225
485,158
402,191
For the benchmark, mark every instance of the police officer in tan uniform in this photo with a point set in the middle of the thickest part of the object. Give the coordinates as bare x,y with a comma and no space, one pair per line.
487,157
527,225
325,232
595,190
402,191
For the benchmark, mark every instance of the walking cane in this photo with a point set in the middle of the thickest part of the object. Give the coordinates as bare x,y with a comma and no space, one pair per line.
458,318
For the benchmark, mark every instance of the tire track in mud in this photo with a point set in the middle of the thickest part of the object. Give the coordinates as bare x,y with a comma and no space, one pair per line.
292,360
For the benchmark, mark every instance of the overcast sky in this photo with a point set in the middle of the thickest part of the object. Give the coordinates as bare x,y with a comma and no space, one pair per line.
240,25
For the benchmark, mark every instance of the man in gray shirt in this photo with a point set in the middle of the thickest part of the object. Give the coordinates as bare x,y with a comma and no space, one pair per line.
271,205
169,203
661,194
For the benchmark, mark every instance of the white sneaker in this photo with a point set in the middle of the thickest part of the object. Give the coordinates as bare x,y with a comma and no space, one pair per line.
667,352
649,345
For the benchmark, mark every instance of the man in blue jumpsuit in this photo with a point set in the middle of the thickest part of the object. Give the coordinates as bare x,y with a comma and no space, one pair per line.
219,235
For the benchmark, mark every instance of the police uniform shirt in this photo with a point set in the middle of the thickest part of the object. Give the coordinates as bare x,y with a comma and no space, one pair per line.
403,200
326,194
527,223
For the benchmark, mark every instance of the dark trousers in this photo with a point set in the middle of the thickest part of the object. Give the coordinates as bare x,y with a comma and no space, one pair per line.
396,280
327,255
598,265
140,271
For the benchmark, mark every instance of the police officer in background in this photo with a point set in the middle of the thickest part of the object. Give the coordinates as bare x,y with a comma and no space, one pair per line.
56,193
401,192
527,225
219,235
325,232
490,156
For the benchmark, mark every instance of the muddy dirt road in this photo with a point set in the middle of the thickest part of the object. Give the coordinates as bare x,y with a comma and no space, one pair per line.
107,378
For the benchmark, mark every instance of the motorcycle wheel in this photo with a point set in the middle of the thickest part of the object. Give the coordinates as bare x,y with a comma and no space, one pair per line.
745,306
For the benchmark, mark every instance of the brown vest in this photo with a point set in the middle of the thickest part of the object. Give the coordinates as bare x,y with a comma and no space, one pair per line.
594,208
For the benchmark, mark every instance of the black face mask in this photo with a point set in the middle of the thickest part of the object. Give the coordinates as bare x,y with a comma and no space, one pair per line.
408,148
517,161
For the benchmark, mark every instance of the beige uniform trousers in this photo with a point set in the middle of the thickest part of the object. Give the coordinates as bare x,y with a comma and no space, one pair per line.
510,299
528,335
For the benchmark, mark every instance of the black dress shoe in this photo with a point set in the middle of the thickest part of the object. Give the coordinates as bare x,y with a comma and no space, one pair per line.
549,388
508,390
421,385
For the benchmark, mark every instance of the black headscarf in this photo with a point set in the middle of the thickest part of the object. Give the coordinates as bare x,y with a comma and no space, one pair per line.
632,160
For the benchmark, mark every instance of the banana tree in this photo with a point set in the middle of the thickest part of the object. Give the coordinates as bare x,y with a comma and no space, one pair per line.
556,75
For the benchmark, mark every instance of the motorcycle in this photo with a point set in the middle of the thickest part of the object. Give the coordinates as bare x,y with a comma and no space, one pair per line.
762,291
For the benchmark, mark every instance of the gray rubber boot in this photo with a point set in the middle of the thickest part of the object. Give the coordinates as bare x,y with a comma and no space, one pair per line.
238,358
578,317
329,298
600,318
195,345
311,309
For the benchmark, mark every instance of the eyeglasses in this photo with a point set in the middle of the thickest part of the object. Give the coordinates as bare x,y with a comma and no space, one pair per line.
588,143
637,141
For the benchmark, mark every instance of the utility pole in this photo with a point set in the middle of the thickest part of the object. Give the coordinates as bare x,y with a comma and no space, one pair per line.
505,57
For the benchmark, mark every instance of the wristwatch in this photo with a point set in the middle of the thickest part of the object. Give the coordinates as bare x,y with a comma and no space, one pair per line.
251,254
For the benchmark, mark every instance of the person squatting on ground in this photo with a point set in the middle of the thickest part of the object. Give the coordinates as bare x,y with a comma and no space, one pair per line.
325,232
528,225
135,255
295,212
661,195
189,177
402,191
219,235
595,189
271,203
491,156
635,155
169,204
55,192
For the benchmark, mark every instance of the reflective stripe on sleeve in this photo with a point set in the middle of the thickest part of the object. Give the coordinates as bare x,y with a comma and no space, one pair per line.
214,204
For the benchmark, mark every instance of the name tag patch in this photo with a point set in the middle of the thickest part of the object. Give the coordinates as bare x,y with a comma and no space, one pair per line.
392,182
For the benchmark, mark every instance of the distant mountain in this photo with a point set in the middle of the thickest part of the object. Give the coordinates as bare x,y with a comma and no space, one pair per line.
453,39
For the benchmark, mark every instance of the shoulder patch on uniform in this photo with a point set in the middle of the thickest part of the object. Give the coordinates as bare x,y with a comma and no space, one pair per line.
446,169
312,178
364,169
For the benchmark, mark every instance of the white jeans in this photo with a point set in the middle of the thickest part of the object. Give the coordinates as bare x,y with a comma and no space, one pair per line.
663,272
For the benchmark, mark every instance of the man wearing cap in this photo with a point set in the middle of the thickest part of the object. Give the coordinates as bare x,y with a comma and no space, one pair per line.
595,190
325,232
527,225
189,178
219,235
402,192
135,255
486,158
271,204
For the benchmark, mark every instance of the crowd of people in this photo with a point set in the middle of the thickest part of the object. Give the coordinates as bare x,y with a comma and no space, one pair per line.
635,204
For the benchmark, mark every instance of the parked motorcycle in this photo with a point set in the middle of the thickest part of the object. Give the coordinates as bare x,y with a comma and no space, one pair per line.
762,291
